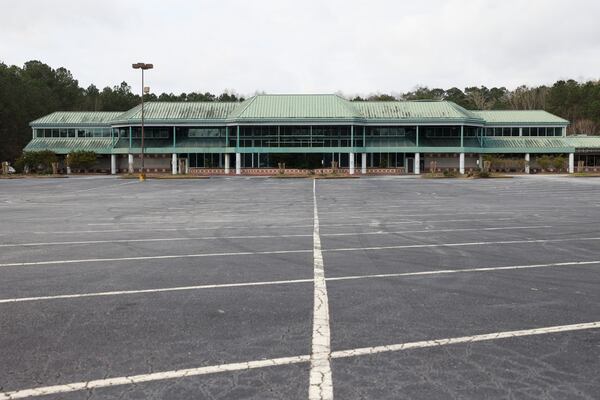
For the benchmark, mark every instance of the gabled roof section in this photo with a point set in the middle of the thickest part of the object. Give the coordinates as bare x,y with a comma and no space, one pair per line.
177,112
77,118
526,142
415,111
277,107
66,145
520,117
582,142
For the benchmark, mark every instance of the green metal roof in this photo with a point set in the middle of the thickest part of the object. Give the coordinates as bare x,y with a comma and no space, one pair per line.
66,145
79,118
295,106
177,112
583,141
520,117
415,111
529,142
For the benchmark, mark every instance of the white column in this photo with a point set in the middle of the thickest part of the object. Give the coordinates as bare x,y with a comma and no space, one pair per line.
68,167
481,162
187,166
417,167
130,163
363,167
461,163
571,163
174,164
113,164
351,163
527,160
238,163
226,163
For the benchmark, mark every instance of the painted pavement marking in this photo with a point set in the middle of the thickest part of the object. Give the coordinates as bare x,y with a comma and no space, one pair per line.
183,373
294,281
320,382
182,239
244,253
267,226
464,339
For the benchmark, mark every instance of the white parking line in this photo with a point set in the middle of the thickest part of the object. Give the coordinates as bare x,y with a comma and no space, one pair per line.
142,258
320,382
157,376
293,281
409,246
464,339
251,253
183,239
183,373
384,223
501,228
236,215
174,239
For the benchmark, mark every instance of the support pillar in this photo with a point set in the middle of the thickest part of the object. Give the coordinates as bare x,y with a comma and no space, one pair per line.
68,166
363,167
461,163
481,162
113,164
226,163
187,166
571,163
130,163
417,167
238,163
527,160
174,164
351,163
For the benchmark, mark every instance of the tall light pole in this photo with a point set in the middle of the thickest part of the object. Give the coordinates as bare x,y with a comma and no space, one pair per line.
143,67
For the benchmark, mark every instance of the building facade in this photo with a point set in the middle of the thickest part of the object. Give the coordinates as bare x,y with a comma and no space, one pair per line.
309,131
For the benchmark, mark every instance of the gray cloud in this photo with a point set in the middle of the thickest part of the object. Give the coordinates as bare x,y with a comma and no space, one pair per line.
307,46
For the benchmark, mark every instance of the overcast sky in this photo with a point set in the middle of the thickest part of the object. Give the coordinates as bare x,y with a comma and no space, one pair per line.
307,46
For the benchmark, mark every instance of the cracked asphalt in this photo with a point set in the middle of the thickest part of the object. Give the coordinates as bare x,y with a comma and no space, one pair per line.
258,230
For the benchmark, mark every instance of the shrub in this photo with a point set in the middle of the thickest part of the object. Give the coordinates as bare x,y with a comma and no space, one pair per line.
81,159
559,162
545,162
450,174
37,161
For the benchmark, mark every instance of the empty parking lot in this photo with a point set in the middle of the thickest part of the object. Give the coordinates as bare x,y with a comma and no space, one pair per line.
262,288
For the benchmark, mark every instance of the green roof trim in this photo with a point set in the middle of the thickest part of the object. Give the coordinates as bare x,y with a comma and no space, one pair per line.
301,108
295,106
177,112
77,118
415,111
526,142
520,117
66,145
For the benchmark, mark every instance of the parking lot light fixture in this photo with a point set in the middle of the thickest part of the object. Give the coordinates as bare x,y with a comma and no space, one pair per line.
142,67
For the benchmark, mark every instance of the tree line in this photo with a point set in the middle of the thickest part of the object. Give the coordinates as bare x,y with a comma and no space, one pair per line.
36,89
